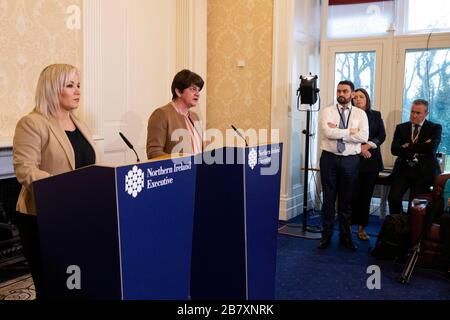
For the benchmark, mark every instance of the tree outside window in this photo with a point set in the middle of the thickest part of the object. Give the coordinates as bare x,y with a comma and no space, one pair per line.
358,67
427,76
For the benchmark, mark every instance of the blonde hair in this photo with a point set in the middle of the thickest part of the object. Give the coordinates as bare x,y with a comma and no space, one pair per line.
49,87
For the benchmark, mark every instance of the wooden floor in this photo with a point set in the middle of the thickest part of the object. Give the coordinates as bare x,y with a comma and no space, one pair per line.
21,288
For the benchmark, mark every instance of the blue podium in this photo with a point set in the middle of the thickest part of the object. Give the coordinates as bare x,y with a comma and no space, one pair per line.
118,232
236,223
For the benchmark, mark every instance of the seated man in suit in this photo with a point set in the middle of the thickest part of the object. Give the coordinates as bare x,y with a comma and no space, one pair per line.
415,144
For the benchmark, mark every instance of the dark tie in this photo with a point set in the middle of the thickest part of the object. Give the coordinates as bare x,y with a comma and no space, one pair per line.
415,133
340,142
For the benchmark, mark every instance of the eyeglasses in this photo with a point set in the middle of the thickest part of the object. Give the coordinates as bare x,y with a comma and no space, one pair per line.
194,89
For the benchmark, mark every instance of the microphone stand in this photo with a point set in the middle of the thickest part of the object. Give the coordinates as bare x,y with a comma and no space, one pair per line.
240,135
128,143
137,157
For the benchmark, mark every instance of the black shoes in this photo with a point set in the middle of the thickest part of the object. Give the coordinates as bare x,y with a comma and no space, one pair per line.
348,243
324,242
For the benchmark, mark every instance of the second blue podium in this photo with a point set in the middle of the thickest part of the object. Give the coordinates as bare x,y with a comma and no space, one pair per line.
236,223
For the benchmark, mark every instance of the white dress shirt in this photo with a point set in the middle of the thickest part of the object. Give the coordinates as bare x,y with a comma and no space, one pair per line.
329,136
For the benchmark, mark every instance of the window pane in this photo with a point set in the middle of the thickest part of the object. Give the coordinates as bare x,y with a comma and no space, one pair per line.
428,15
363,19
359,67
427,76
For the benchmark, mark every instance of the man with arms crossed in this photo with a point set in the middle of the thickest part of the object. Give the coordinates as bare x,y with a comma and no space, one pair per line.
343,129
415,144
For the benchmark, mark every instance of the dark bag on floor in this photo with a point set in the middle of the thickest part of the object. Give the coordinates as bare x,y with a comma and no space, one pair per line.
394,239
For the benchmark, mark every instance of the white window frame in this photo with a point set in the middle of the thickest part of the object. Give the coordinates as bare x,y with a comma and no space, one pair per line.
404,43
389,74
390,67
402,20
389,82
336,46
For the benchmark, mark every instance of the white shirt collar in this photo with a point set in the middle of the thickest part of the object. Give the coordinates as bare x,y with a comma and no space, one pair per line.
420,124
347,107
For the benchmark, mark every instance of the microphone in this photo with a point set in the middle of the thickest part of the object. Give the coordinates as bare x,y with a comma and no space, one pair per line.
128,143
240,135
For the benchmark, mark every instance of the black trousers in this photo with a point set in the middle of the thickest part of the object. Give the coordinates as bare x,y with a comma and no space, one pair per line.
337,174
362,197
28,229
407,178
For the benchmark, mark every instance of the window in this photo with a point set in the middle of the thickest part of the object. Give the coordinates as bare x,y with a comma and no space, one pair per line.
427,76
356,20
372,18
395,69
426,16
358,67
357,61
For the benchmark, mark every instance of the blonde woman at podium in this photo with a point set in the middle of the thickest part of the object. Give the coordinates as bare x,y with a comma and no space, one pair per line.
48,141
174,128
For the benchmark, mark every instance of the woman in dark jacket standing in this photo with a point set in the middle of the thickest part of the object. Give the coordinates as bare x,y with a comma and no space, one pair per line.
371,163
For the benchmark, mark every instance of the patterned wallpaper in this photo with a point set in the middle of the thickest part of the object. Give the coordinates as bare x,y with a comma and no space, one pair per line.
33,34
239,30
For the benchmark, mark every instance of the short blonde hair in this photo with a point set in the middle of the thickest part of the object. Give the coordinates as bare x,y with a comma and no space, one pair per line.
49,87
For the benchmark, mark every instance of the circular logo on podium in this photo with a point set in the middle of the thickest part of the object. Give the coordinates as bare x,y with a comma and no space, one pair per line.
252,158
134,181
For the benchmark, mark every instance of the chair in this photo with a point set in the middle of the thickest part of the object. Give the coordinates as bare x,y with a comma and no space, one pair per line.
431,247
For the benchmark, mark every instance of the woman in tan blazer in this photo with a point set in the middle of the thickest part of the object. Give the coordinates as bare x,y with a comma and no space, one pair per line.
173,128
48,141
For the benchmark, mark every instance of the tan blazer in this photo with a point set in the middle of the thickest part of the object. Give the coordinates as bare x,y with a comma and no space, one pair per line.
161,124
41,149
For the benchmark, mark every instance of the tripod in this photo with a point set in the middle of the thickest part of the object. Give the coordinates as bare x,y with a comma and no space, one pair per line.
408,268
308,92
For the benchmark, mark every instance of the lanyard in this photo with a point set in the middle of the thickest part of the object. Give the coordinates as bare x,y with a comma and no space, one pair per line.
342,119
